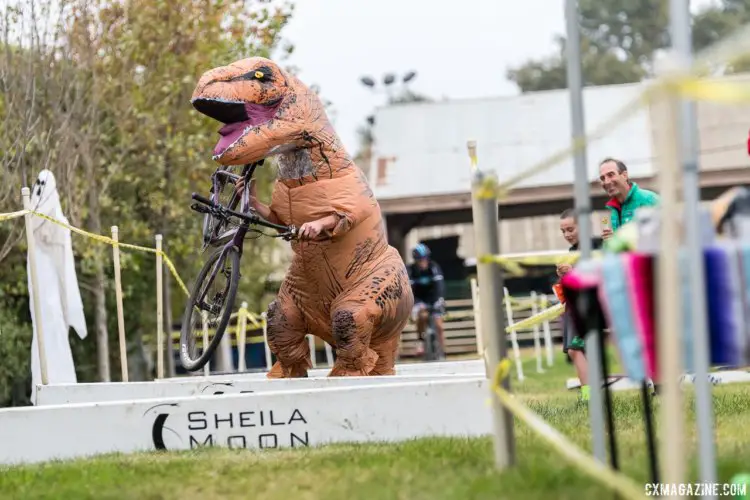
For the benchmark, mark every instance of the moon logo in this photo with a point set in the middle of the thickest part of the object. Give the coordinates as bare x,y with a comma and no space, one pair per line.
158,427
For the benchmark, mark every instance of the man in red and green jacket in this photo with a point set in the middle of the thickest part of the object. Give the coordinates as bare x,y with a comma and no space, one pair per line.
625,195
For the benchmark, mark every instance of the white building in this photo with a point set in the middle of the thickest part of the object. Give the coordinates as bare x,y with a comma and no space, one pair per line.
421,174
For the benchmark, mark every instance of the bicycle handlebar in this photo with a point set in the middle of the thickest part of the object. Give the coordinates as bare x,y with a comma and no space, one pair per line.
249,218
202,199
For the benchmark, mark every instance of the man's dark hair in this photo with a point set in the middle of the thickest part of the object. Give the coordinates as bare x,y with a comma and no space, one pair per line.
568,213
621,167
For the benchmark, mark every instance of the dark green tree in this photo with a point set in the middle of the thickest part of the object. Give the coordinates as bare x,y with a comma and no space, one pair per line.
715,22
620,38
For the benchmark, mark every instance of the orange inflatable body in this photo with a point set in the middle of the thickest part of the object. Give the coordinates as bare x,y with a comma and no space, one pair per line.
351,289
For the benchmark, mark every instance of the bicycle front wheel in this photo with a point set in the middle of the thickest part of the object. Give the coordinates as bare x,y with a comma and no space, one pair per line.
209,308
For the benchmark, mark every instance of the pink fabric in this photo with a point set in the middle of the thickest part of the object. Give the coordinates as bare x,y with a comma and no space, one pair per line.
578,279
641,289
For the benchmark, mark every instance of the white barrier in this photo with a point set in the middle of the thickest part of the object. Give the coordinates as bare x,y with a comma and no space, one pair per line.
720,377
616,383
60,394
379,413
537,334
471,367
513,337
716,378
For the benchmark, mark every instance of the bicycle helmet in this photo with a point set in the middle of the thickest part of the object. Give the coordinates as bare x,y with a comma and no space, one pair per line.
420,252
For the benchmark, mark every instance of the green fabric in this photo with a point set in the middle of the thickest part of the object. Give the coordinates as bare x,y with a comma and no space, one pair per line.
624,240
585,392
637,198
577,344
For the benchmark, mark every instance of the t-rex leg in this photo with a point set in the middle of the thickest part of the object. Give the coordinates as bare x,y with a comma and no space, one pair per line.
351,326
367,323
387,351
395,302
286,339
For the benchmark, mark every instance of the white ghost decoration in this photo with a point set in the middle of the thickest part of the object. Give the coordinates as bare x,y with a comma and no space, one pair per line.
59,295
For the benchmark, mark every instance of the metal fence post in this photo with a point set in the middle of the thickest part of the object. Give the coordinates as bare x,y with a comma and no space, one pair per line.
490,278
680,29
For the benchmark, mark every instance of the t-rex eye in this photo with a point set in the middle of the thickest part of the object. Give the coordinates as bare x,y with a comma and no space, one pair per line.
259,75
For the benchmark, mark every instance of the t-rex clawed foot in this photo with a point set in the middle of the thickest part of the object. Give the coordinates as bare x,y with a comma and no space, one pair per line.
352,332
278,370
286,339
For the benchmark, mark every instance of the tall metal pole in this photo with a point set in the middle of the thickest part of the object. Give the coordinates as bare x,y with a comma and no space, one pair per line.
680,18
583,208
485,220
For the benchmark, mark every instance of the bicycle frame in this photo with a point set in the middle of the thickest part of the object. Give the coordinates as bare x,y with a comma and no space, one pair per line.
247,215
430,333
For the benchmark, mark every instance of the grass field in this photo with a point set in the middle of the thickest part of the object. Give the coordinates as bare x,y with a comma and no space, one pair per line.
420,469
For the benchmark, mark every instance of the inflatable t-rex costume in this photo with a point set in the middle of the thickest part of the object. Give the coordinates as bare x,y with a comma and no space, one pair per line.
351,289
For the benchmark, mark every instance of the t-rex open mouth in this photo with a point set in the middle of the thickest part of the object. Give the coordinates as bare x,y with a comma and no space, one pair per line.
238,118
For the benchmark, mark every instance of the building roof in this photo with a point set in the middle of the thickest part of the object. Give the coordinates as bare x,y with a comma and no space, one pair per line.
426,142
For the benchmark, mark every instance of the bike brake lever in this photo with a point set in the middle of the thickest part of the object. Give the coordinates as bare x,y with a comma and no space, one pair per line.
291,234
200,208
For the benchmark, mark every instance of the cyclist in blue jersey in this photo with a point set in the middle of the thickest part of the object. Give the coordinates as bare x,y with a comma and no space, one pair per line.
428,287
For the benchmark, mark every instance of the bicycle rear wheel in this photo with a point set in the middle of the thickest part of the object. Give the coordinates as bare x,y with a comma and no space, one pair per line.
429,344
210,307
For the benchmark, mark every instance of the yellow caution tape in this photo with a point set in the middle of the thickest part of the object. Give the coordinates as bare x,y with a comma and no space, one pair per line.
473,158
111,242
254,339
521,307
546,315
687,86
489,188
576,456
13,215
513,265
255,319
715,91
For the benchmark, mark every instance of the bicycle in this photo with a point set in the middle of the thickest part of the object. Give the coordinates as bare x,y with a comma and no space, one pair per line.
224,228
432,347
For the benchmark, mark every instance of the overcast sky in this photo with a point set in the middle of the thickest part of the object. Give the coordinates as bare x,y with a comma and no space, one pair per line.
459,49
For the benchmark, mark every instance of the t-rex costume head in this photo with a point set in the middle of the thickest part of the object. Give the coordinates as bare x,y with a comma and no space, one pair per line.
351,290
266,112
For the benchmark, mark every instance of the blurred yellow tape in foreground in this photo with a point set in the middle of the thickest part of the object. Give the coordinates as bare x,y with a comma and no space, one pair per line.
546,315
687,86
598,471
513,264
713,90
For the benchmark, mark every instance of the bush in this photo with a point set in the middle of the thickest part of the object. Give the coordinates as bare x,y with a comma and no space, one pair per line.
15,360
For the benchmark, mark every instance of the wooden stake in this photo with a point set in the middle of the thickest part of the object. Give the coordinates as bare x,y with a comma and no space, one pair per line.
159,311
118,300
242,337
669,345
477,316
547,332
207,367
34,292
